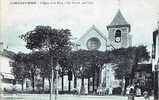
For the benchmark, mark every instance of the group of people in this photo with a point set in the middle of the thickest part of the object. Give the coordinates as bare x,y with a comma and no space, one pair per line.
99,91
131,91
104,91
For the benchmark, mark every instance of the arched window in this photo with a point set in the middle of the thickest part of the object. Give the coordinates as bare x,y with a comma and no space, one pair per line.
118,36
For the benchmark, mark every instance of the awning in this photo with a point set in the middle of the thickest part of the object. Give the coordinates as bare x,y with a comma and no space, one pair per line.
7,76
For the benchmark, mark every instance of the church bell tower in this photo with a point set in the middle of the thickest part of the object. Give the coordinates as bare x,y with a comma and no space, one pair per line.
118,32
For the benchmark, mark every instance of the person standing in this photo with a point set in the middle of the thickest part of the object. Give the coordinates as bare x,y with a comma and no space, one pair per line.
146,95
127,90
131,94
110,91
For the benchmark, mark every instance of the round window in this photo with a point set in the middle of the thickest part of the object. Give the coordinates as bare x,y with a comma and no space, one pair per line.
93,44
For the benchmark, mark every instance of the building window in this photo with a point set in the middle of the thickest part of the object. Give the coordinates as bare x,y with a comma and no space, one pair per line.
140,75
118,36
93,44
7,81
10,63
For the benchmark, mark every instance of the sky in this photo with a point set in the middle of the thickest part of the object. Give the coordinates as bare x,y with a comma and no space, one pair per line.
17,19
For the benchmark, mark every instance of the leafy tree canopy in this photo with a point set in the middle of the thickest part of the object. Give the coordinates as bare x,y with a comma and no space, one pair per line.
126,59
44,38
85,62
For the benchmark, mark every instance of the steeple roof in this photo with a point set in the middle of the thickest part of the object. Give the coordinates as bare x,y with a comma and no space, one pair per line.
119,19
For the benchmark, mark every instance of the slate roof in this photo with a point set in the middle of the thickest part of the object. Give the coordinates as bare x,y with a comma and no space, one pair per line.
7,76
7,53
118,19
97,30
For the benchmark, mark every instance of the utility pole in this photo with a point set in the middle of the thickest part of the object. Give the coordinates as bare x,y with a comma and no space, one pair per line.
52,68
57,75
52,79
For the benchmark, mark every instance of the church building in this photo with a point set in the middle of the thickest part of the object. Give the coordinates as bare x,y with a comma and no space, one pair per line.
118,37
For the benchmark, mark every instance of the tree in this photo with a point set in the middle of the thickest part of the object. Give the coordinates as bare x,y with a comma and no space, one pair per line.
44,66
34,65
26,66
86,63
20,69
126,60
56,42
65,63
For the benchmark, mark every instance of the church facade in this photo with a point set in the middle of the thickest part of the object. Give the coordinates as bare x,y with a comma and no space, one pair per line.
118,37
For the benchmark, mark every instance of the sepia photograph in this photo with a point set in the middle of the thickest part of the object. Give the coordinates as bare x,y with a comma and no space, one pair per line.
79,50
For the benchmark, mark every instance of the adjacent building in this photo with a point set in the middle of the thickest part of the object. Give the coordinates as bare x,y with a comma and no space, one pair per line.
143,77
155,61
6,76
155,48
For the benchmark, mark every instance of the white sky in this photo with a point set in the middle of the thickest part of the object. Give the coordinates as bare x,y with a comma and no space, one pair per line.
18,19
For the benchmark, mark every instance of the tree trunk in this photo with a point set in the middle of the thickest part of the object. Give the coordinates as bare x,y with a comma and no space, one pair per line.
82,85
98,74
88,84
22,84
82,82
43,83
100,77
134,69
126,81
75,81
93,82
49,84
33,81
69,86
62,82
